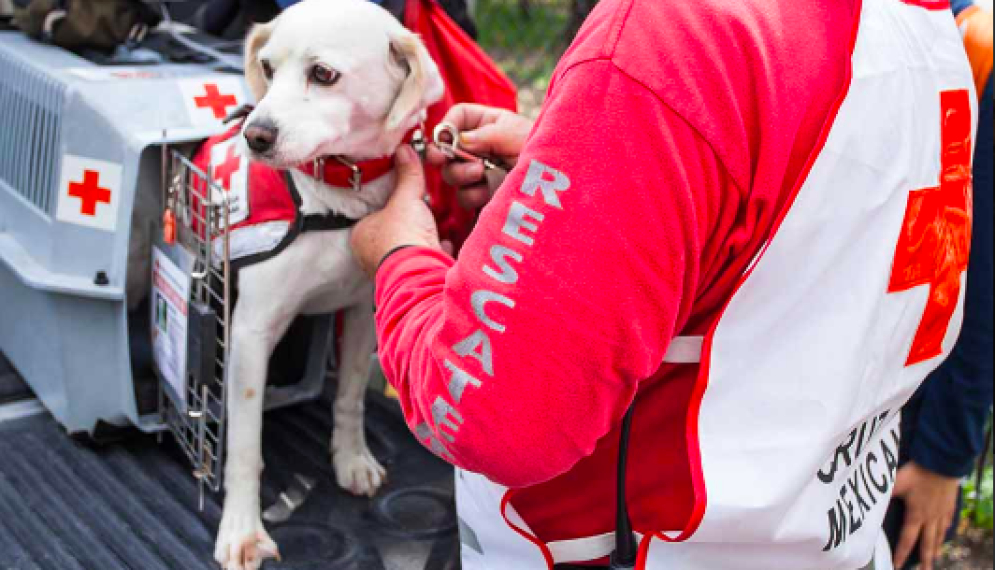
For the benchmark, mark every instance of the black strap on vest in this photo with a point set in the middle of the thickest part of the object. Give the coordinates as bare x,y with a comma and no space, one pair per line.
626,546
316,222
329,221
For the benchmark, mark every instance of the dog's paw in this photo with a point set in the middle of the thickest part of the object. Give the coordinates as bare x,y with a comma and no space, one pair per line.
358,472
243,543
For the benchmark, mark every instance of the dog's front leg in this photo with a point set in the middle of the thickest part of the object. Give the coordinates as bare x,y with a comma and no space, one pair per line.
243,542
355,467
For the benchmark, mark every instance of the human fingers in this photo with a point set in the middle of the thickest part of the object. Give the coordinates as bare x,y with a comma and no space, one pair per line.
461,174
405,220
911,531
904,481
499,139
470,116
502,141
435,157
928,546
474,197
410,176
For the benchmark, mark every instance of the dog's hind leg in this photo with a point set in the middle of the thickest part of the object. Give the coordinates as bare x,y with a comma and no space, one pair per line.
257,326
355,467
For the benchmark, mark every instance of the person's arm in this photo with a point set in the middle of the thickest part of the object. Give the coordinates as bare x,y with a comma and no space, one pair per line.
514,360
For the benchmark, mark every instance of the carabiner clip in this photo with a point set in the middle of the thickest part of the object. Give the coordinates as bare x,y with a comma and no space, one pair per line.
446,138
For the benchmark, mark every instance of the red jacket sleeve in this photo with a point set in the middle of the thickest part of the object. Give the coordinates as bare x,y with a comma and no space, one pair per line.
514,360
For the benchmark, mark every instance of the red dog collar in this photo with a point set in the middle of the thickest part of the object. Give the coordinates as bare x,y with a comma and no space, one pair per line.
336,170
340,172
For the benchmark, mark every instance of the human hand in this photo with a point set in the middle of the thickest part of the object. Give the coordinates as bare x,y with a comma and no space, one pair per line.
930,500
405,220
485,131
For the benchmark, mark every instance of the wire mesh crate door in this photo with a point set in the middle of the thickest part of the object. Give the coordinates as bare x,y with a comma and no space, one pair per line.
201,211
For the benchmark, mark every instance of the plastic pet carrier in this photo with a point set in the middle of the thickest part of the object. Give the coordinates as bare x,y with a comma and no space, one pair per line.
89,154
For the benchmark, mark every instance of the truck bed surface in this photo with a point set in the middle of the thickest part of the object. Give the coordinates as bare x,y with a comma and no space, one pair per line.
133,504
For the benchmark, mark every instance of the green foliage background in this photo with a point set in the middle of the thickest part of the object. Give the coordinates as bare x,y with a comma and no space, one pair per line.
978,505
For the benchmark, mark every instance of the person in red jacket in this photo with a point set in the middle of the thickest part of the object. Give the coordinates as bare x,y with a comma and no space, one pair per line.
677,141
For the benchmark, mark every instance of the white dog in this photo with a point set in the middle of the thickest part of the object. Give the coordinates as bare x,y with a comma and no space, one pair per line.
333,79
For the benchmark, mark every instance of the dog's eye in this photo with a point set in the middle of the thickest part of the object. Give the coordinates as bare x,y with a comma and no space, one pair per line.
267,69
323,75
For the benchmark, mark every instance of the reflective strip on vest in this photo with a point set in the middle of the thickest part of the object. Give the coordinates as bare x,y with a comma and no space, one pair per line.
684,350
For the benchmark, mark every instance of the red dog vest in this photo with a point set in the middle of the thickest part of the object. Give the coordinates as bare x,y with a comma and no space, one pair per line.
263,205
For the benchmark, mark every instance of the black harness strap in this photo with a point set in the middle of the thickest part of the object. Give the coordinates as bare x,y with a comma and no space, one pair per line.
329,221
626,546
315,222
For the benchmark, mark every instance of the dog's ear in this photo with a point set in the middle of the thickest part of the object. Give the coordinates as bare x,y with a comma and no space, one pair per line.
422,83
257,38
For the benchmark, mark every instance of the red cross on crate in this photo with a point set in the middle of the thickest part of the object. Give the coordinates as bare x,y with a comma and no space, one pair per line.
215,100
89,192
936,232
229,166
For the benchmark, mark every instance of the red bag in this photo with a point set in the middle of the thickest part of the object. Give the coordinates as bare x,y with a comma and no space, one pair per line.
470,76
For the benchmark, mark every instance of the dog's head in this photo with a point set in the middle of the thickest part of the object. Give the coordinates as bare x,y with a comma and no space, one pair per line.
334,77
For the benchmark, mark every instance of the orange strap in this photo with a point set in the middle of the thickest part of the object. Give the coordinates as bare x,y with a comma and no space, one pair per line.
976,27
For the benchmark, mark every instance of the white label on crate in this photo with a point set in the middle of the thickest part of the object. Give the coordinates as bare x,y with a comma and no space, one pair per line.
170,292
89,192
230,170
209,100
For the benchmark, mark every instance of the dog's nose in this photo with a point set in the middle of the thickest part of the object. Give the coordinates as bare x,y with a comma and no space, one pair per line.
261,135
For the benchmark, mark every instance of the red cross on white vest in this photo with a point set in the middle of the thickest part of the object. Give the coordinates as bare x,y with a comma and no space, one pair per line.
936,232
89,192
224,171
215,100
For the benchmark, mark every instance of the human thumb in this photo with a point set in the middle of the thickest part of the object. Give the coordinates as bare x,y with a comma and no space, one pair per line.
488,138
410,175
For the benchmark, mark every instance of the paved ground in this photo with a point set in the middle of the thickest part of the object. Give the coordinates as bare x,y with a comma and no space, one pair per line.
971,551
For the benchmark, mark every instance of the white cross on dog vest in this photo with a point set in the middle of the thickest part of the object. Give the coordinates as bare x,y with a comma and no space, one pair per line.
861,285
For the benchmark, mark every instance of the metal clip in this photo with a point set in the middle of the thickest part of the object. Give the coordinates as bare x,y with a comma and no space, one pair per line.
199,274
290,500
319,169
446,137
356,178
418,141
355,175
203,469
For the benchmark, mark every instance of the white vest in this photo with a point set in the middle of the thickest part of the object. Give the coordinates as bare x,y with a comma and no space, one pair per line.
852,303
